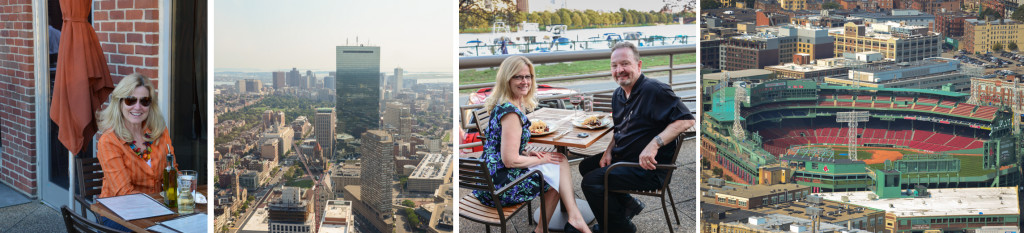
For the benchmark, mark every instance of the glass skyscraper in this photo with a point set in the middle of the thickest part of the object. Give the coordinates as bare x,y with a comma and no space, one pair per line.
358,85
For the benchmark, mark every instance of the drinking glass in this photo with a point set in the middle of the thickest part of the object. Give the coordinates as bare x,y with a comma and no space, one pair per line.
576,100
186,191
588,103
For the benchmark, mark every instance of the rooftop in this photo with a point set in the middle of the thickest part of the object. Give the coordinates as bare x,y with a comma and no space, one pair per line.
337,217
738,75
993,22
713,213
943,202
806,67
932,61
753,190
773,222
434,166
834,211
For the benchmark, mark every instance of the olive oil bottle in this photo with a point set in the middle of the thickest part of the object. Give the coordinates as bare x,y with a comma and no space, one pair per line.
170,183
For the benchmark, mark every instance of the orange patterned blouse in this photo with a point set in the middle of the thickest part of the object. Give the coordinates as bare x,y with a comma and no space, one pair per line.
125,172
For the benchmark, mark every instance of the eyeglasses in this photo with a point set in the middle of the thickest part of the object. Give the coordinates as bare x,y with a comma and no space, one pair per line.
522,77
131,100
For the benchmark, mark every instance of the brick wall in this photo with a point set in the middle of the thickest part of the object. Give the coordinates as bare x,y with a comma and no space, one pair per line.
17,97
128,31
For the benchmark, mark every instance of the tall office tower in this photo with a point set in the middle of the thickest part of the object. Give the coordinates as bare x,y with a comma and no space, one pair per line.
398,80
393,113
325,123
241,86
378,166
405,130
380,102
358,89
310,79
303,83
293,77
329,82
279,80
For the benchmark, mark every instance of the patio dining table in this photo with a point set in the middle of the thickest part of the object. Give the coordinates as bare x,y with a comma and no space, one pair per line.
140,225
565,134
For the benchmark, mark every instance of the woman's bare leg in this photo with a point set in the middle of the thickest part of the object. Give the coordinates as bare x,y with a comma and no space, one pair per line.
550,199
568,198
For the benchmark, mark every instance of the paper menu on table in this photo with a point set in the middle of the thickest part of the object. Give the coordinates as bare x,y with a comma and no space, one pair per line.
135,206
183,224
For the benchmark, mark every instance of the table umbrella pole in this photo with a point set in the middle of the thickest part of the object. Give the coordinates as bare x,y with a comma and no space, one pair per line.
71,182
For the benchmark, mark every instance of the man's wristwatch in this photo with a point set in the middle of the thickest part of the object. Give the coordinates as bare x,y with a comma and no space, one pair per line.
657,140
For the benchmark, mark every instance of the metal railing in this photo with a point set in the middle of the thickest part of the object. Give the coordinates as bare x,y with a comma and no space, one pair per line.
540,58
573,45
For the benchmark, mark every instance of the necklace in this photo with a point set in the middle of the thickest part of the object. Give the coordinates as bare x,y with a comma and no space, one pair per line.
143,153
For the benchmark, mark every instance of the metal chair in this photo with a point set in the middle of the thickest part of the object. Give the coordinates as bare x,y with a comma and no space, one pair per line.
89,176
473,174
483,120
76,223
661,192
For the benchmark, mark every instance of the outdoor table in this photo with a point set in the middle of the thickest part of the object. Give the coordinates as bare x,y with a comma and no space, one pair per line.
140,225
562,120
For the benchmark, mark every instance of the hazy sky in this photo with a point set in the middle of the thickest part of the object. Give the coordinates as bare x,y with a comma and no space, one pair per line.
275,35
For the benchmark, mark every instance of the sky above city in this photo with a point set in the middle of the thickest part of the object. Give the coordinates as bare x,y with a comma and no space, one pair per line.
262,35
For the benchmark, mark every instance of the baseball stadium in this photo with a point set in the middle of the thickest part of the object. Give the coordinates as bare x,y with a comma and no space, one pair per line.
842,139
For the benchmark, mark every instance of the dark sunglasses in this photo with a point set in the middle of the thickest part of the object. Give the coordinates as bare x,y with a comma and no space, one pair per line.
131,100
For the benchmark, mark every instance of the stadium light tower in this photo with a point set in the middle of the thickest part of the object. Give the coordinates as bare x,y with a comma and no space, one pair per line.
852,118
741,96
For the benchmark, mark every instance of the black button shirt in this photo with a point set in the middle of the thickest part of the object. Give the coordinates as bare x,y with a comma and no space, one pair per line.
650,108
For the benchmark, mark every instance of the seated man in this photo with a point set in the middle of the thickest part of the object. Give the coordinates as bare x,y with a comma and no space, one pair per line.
648,116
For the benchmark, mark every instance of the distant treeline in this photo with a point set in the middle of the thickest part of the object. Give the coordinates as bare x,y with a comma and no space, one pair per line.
571,18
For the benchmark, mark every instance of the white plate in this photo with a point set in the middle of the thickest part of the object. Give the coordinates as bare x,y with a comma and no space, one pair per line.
605,122
551,129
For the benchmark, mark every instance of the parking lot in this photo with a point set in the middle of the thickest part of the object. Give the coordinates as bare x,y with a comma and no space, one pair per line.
993,63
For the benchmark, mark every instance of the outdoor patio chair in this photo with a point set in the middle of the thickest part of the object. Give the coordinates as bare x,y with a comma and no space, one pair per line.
77,223
473,174
483,120
661,192
89,176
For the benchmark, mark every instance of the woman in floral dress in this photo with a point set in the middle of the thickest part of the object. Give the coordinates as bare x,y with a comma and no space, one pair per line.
513,94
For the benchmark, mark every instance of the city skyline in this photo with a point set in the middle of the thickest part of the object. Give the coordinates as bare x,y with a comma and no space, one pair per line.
411,44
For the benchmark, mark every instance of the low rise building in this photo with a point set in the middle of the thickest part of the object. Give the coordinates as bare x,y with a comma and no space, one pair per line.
432,171
909,43
931,73
817,70
980,36
337,217
959,209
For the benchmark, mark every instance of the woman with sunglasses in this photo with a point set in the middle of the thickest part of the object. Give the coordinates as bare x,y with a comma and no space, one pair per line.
135,141
514,94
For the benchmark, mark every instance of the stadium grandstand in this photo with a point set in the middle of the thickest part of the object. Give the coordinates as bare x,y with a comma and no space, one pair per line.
926,137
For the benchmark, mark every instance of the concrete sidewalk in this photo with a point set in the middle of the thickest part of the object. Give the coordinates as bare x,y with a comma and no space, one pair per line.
652,219
30,217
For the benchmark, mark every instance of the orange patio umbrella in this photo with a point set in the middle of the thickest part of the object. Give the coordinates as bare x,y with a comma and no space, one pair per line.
83,80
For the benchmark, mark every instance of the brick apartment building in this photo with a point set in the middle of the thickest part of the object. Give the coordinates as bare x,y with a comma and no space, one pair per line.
135,39
951,24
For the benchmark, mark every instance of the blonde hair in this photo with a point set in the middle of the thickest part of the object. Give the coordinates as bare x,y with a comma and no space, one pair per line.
502,91
111,118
